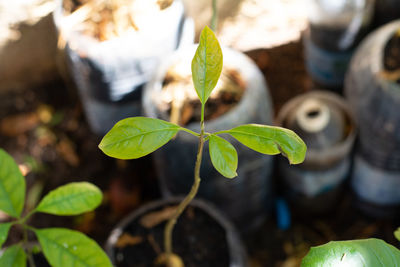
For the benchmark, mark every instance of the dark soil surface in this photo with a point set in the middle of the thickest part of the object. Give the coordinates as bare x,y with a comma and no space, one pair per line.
198,239
45,130
227,94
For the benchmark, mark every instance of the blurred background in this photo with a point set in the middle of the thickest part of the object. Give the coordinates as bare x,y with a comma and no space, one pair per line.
328,69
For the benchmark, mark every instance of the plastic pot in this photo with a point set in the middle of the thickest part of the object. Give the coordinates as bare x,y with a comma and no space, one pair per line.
326,124
333,33
199,223
375,102
247,198
110,74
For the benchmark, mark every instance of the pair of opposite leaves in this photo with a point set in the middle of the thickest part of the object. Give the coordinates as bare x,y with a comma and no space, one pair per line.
136,137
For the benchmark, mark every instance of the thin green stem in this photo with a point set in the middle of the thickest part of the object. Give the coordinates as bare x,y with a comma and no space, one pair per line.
28,251
186,201
190,131
214,18
220,132
24,219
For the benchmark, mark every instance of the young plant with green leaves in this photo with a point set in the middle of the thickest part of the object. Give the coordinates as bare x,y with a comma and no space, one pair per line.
61,247
136,137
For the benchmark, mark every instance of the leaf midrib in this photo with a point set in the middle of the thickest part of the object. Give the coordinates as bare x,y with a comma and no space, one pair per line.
63,198
252,134
134,136
76,258
205,69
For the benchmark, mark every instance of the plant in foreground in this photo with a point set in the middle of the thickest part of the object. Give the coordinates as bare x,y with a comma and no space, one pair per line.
136,137
370,252
61,247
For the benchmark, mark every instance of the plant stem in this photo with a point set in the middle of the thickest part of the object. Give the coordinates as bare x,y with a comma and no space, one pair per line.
214,18
186,201
28,251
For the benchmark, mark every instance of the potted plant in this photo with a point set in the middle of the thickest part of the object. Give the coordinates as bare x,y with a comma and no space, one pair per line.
112,48
133,138
61,247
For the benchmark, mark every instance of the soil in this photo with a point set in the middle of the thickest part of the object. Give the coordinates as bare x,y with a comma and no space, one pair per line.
198,239
391,58
45,130
225,96
105,19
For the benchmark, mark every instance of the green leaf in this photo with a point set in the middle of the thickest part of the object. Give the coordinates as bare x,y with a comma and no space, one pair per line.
12,186
14,256
271,140
71,199
136,137
67,248
397,234
206,64
223,156
367,253
4,228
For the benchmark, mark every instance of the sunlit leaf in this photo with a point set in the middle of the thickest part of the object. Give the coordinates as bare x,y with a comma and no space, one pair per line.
13,256
67,248
223,156
397,234
366,253
206,64
271,140
136,137
71,199
12,186
4,228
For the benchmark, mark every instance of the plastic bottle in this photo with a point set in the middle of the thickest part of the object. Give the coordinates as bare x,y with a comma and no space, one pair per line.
335,29
375,99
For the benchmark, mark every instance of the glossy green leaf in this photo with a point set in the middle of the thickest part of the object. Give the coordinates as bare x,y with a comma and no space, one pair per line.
397,234
13,256
71,199
366,253
4,228
271,140
67,248
12,186
206,64
136,137
223,156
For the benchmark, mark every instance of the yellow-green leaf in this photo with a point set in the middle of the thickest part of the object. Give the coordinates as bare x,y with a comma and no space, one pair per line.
12,186
366,252
67,248
4,228
223,156
136,137
14,256
397,234
206,64
71,199
271,140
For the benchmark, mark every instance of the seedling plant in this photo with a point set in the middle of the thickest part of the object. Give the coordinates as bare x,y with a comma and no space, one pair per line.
136,137
61,247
